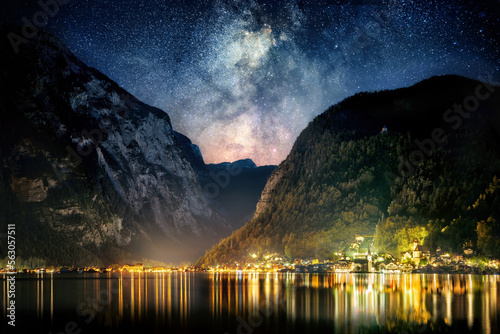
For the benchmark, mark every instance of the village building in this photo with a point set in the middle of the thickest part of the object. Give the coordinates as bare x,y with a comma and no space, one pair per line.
133,268
392,268
468,251
420,251
438,251
417,252
341,266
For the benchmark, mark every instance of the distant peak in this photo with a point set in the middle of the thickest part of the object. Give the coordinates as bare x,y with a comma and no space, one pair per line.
243,163
246,163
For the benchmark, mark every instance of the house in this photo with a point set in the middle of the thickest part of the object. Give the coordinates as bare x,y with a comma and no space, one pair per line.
158,269
316,268
494,263
382,267
438,251
341,266
420,251
133,268
452,266
417,252
392,268
406,267
300,269
407,255
361,265
469,251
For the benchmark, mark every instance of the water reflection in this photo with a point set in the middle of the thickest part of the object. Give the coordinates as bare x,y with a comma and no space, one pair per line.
351,302
348,303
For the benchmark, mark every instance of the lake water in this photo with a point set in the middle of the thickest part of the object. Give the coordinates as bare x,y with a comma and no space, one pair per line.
254,303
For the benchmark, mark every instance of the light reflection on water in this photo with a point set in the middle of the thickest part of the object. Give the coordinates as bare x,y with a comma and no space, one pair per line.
348,303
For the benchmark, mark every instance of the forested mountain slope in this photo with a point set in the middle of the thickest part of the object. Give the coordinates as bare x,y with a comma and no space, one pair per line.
431,174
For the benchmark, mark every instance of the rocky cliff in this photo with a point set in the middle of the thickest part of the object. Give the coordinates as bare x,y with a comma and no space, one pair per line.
88,168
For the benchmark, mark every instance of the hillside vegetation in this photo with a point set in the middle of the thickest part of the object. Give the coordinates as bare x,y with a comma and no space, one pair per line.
433,175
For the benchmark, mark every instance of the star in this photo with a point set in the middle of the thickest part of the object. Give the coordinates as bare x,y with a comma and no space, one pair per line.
238,77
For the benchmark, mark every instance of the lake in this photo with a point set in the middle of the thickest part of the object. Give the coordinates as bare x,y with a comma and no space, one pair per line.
185,302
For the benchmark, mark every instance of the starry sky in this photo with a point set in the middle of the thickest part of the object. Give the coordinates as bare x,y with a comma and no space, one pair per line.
243,78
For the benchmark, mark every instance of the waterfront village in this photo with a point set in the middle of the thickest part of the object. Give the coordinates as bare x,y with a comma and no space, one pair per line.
418,259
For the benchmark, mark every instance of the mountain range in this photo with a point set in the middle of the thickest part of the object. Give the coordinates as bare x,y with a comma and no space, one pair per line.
92,175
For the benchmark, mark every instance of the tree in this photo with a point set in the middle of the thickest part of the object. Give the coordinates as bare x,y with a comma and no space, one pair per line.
488,243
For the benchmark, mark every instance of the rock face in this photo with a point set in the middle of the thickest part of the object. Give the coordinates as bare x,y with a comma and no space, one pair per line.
87,164
192,151
29,190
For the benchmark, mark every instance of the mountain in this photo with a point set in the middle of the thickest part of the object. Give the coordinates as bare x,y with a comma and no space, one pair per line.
421,161
235,188
191,151
89,173
232,188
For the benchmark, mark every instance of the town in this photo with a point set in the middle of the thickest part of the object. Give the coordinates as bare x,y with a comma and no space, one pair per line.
418,259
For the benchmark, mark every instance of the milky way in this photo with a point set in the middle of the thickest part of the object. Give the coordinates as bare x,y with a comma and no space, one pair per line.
242,78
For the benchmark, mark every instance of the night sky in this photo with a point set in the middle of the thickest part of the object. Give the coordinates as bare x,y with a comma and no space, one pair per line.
242,78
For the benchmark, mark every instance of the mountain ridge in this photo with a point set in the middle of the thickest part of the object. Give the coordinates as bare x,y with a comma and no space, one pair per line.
345,175
89,170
